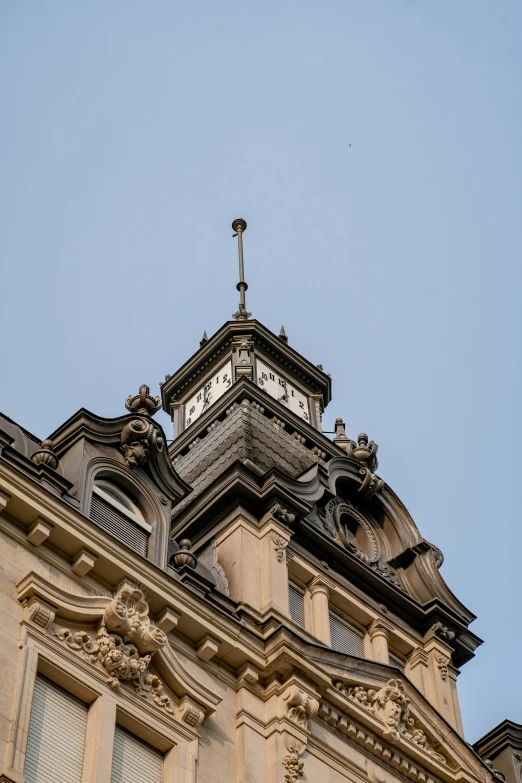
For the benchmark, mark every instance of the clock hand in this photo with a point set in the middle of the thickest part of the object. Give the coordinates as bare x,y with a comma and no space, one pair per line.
285,397
206,399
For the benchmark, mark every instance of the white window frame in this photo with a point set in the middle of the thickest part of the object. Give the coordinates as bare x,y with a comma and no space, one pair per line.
118,499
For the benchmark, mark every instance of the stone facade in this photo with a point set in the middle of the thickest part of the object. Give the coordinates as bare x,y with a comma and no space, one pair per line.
254,602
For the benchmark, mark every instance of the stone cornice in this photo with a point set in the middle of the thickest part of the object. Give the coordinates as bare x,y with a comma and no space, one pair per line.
114,561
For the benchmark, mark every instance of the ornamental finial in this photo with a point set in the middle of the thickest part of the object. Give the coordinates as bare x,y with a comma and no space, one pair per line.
363,451
238,226
143,403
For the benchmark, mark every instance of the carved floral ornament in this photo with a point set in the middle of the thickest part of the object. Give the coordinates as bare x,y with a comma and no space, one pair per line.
391,706
124,645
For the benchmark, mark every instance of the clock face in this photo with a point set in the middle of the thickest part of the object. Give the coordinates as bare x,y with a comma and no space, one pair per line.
285,392
211,391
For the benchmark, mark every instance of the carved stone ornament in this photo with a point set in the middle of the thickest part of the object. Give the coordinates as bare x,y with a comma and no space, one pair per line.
293,765
282,515
300,706
364,452
442,663
280,545
184,556
46,455
443,631
140,440
143,403
371,483
391,705
342,513
124,645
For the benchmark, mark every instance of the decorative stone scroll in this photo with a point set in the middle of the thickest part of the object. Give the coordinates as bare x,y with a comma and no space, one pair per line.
124,645
140,439
300,706
390,705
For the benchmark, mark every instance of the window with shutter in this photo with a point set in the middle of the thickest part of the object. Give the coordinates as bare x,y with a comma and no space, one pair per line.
296,601
344,637
134,760
396,661
56,738
114,511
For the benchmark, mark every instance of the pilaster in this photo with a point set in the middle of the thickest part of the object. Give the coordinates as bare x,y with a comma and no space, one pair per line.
274,570
417,671
238,550
379,633
319,590
99,741
440,689
254,561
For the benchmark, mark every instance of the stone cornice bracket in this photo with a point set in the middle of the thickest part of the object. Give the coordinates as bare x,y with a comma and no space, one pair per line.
280,514
46,455
443,632
244,366
301,705
298,705
4,500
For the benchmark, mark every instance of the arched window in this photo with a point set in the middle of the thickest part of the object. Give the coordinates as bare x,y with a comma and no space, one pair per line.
113,509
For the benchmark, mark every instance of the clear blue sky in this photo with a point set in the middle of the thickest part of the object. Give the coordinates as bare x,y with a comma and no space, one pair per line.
373,146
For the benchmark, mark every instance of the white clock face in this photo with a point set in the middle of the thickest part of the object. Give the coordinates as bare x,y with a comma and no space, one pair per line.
211,391
277,386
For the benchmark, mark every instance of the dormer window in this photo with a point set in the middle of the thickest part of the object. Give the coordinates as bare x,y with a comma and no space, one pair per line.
113,509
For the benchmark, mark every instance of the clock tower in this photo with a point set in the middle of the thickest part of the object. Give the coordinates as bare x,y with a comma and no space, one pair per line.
245,352
252,604
246,355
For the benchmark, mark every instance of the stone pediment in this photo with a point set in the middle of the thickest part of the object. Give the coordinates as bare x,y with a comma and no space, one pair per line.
368,703
116,636
395,722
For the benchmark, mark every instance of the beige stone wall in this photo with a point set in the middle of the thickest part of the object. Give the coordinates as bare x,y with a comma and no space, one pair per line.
16,560
259,731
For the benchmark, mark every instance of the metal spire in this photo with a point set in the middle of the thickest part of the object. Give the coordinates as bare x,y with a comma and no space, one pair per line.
239,226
